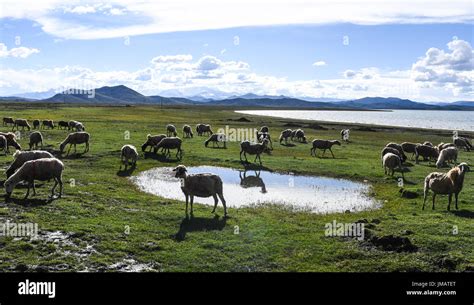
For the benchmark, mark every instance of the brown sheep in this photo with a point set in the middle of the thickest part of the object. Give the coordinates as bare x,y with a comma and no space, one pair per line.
48,123
36,124
324,145
151,141
11,139
74,139
36,138
427,152
8,121
21,123
187,131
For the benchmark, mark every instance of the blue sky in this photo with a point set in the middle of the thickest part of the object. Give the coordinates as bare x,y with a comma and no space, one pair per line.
87,44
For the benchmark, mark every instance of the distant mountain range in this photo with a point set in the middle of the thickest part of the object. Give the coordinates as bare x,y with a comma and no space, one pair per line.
121,95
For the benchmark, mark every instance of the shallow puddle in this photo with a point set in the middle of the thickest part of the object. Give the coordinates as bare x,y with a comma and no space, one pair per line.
249,188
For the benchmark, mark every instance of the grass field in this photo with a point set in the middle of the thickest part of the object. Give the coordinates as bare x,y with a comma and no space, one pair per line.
107,224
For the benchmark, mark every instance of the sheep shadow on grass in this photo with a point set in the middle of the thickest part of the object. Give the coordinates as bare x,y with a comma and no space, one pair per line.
463,213
288,144
160,157
125,172
197,224
30,202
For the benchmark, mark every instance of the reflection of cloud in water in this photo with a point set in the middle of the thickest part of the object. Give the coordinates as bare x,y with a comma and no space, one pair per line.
310,193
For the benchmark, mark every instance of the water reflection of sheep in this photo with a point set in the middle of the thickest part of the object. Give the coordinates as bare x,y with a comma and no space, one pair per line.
252,181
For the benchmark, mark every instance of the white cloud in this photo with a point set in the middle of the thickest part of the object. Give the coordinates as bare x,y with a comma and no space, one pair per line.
190,15
452,70
20,52
319,63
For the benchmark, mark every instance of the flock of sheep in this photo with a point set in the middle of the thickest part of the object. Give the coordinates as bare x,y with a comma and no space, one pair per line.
41,165
393,156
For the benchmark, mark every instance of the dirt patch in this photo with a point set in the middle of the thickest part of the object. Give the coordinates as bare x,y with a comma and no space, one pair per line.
393,243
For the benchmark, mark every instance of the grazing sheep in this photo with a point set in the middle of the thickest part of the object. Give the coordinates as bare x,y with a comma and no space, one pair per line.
215,139
63,124
345,134
409,148
187,131
20,157
36,138
11,140
264,129
75,125
468,142
462,143
200,185
41,169
445,184
152,141
446,155
293,134
442,146
428,144
170,143
48,123
128,152
74,139
285,134
264,135
36,124
171,130
203,129
392,150
400,150
8,120
324,145
21,123
246,147
4,144
299,135
427,152
390,162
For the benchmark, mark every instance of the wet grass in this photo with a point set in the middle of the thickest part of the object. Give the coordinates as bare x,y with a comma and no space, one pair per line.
102,209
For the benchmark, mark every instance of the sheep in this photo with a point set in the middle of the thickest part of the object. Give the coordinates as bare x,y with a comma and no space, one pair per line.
187,131
170,143
48,123
246,147
445,184
446,155
128,152
74,139
36,124
390,162
215,139
324,145
40,169
345,134
264,129
400,150
36,138
468,142
261,135
21,123
462,143
152,141
200,185
285,134
427,143
4,144
75,125
8,120
392,150
427,152
293,134
409,148
299,134
63,124
20,157
171,130
203,129
11,139
442,146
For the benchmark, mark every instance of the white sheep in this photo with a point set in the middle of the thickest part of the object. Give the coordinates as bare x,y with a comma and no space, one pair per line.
390,162
445,184
42,170
128,152
20,157
200,185
446,155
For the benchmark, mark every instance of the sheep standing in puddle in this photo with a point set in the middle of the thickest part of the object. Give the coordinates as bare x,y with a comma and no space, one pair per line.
200,185
41,169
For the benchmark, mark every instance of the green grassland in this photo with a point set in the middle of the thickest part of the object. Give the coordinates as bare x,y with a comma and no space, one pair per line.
108,220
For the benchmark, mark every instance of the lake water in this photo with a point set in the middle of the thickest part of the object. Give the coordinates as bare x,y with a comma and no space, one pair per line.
250,188
432,119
